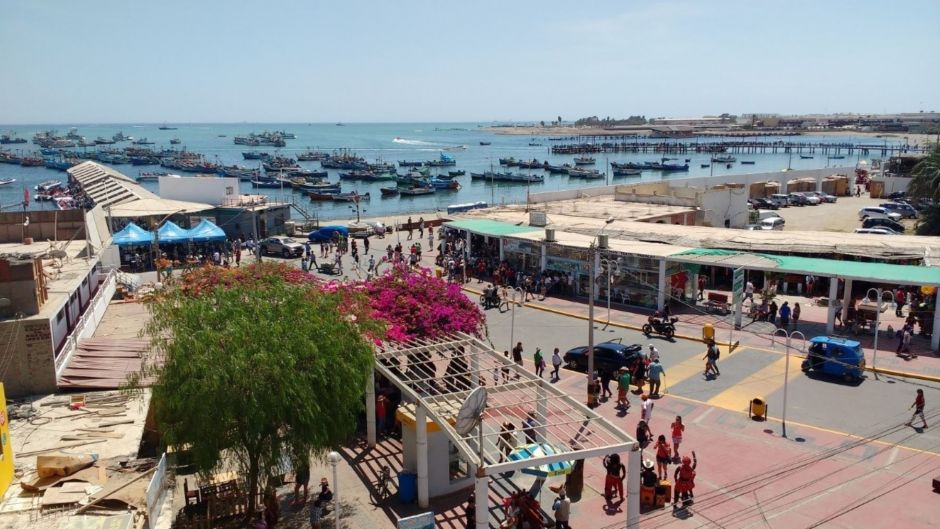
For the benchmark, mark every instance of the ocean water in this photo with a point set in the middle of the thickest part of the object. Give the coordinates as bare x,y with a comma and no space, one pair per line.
391,142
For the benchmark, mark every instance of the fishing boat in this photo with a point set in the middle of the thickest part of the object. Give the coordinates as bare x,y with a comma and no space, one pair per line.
120,137
445,160
747,162
350,197
266,183
416,191
48,186
441,183
555,169
723,158
508,162
150,177
456,148
535,144
459,172
388,191
508,177
142,141
356,175
59,164
31,161
312,156
103,141
165,127
706,165
588,174
6,181
408,163
322,195
175,141
255,155
668,167
246,174
806,156
626,172
837,157
7,139
484,143
584,160
533,164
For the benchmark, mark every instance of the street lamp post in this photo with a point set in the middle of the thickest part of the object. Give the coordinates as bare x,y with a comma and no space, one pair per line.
334,458
512,325
880,293
590,349
786,370
612,267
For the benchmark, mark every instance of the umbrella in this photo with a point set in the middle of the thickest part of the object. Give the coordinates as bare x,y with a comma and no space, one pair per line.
536,450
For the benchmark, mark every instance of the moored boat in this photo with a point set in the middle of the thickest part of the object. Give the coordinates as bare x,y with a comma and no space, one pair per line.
584,160
388,191
6,181
350,197
416,191
723,158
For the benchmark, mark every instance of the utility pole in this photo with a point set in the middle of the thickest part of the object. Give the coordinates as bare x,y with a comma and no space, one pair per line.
254,230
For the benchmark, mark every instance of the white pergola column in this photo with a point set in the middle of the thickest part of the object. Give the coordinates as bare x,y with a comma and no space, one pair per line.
501,258
633,489
543,264
468,243
482,492
475,373
597,269
421,442
661,291
370,409
694,288
935,335
846,298
833,295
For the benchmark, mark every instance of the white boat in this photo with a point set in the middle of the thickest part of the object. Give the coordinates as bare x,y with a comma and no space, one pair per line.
5,181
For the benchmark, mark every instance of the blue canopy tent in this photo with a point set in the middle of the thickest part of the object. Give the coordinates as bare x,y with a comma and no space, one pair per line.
171,233
206,231
132,235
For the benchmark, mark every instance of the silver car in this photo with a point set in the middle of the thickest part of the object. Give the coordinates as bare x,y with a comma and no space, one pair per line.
283,246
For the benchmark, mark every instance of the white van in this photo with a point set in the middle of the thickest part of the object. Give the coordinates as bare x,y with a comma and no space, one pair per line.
766,214
772,223
877,213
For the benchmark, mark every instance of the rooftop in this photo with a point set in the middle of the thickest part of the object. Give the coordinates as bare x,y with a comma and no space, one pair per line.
106,186
63,264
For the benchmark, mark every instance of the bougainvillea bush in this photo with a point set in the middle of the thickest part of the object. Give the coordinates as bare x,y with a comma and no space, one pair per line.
412,303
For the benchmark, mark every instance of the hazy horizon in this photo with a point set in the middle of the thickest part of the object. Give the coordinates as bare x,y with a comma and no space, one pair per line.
295,62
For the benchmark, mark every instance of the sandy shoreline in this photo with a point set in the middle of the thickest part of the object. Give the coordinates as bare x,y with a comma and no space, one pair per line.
914,139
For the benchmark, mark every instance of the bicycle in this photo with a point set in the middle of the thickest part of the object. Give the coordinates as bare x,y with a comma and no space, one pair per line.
381,486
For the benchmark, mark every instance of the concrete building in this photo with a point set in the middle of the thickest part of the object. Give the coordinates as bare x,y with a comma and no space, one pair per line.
53,291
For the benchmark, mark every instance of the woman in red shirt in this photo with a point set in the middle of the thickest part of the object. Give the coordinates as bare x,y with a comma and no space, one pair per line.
663,457
677,429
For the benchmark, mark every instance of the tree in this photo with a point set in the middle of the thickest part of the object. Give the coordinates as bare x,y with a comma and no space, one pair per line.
925,185
559,120
257,368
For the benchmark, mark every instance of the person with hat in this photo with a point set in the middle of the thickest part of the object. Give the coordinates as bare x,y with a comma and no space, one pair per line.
648,477
623,385
326,495
653,354
685,480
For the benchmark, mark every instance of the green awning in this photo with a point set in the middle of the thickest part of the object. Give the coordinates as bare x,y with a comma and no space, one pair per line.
490,228
862,271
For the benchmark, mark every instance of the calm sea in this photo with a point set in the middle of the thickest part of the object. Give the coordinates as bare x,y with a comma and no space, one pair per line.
389,142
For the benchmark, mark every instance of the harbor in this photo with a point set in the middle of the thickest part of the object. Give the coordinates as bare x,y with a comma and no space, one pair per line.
402,167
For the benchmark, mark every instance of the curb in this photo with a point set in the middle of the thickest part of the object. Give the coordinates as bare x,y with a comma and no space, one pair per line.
889,372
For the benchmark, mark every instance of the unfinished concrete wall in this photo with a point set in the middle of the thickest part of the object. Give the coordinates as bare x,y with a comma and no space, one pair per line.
31,366
43,225
22,285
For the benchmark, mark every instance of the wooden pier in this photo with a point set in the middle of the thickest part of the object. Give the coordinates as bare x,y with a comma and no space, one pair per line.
736,147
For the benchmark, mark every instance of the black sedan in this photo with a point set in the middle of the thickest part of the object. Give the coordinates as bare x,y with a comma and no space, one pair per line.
608,356
763,203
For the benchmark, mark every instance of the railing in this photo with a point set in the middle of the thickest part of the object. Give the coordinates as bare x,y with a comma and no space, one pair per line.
156,492
88,321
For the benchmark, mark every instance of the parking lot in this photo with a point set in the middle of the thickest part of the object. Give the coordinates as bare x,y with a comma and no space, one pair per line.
841,216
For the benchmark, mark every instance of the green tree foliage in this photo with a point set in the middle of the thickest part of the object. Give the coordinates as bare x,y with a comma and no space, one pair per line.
594,121
925,184
257,371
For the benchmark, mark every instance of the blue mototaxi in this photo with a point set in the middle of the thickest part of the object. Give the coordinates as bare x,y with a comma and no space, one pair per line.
836,357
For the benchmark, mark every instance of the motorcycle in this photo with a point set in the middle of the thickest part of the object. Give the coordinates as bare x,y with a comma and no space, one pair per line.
665,327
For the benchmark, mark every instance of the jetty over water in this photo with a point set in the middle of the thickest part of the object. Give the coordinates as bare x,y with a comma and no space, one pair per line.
587,145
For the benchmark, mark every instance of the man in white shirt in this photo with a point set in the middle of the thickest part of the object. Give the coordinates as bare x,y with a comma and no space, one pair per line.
749,291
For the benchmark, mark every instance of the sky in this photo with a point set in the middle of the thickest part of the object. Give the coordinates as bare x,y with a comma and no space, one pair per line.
470,61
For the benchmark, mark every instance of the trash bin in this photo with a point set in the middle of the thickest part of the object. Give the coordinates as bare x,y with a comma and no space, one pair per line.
708,332
439,272
407,487
758,409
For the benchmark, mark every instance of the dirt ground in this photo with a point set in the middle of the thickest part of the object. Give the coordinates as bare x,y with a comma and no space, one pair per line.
841,216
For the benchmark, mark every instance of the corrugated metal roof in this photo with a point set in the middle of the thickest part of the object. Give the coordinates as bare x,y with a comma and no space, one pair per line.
106,186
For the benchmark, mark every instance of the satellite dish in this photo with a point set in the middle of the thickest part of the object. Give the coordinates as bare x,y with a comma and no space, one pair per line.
471,411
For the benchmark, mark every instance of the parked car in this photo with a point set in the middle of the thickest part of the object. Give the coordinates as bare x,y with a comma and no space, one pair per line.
327,233
765,203
877,213
803,199
884,223
897,194
906,211
875,231
836,357
772,223
610,356
766,214
823,197
283,246
782,199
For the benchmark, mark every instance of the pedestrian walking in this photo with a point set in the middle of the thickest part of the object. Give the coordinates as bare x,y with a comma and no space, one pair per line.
506,368
796,315
785,315
837,308
918,408
528,428
507,440
656,373
517,354
663,457
647,408
711,359
303,263
623,386
420,227
644,436
772,312
410,228
606,375
616,473
899,299
562,509
539,362
677,429
556,364
685,480
701,287
749,291
365,245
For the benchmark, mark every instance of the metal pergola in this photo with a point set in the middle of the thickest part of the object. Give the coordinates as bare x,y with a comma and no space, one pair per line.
437,375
